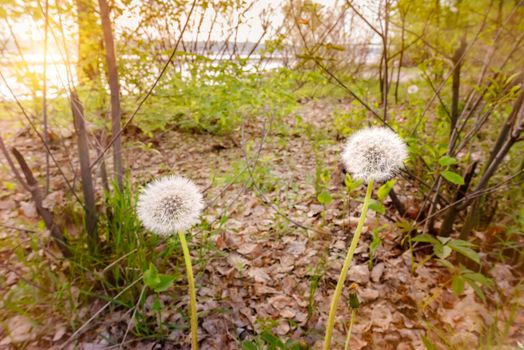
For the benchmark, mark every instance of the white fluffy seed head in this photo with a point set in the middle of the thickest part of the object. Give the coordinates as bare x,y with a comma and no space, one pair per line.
169,205
374,154
412,89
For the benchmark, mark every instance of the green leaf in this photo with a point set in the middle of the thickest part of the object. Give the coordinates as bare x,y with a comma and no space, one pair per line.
441,112
441,251
223,220
165,282
157,282
447,264
324,176
351,185
447,161
293,345
457,285
425,238
453,177
377,206
151,278
273,340
376,240
444,240
384,190
478,277
156,306
428,344
464,248
325,197
41,225
248,345
477,290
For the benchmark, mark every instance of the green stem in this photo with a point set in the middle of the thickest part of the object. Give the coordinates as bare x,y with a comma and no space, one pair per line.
353,314
192,294
345,268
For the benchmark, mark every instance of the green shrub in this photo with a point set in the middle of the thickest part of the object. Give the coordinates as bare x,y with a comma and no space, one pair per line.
217,98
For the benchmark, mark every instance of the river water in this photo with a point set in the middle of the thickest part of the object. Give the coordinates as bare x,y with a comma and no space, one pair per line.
24,76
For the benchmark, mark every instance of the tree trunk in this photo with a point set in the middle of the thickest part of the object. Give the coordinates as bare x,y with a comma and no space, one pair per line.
455,85
386,58
401,58
114,87
85,170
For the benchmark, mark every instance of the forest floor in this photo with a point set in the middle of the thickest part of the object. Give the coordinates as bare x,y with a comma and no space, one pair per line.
276,260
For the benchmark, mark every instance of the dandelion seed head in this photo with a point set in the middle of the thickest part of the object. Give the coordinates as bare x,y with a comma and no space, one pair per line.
169,205
374,154
412,89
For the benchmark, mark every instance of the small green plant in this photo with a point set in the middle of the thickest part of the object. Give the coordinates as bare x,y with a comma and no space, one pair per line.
442,249
261,175
446,162
269,341
377,205
509,245
443,246
217,98
345,123
351,184
475,280
354,305
322,178
375,243
158,282
315,274
322,181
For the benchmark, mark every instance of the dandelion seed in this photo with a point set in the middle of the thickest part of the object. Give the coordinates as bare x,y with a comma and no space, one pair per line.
169,205
374,154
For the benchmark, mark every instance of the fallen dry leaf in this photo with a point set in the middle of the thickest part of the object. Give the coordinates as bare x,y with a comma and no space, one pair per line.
18,329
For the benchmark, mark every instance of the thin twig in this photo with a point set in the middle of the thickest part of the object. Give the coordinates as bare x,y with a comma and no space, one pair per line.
132,319
92,318
33,127
149,92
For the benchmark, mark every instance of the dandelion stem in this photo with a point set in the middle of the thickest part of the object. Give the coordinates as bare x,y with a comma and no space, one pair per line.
345,268
348,337
192,294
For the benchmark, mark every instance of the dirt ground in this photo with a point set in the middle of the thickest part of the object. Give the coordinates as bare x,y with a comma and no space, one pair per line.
270,252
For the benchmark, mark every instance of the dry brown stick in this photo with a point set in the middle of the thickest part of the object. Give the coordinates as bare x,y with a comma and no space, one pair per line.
132,319
44,97
12,164
114,87
38,198
85,171
40,136
83,327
